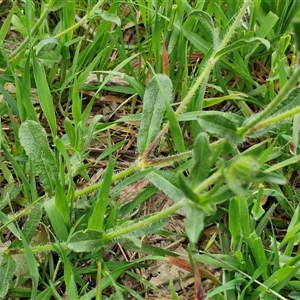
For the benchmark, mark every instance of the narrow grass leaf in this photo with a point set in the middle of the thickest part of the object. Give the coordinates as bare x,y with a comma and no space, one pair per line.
72,290
96,220
217,123
110,150
86,241
256,245
5,27
12,103
44,93
153,110
89,132
8,267
24,93
276,281
33,267
61,203
34,140
234,221
56,219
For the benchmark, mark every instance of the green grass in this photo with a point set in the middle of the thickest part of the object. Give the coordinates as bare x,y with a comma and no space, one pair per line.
218,136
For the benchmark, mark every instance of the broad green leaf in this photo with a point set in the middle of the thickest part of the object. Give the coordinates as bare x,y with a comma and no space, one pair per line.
242,43
53,5
44,93
217,123
86,241
240,172
153,110
8,267
165,185
34,140
46,42
201,155
108,17
176,132
194,222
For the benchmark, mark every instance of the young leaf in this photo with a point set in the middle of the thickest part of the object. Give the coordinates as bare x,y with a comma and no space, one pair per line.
207,22
201,155
240,172
86,241
153,110
34,140
194,223
163,184
219,124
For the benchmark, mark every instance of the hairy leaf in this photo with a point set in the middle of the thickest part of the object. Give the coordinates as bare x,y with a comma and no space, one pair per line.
219,124
7,267
86,241
153,110
34,140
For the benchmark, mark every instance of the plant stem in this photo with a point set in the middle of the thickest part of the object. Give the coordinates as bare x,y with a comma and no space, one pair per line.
242,131
208,182
133,168
35,28
36,249
293,160
161,215
207,69
275,119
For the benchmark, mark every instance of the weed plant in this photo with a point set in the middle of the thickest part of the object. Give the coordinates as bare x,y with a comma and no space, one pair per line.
218,136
